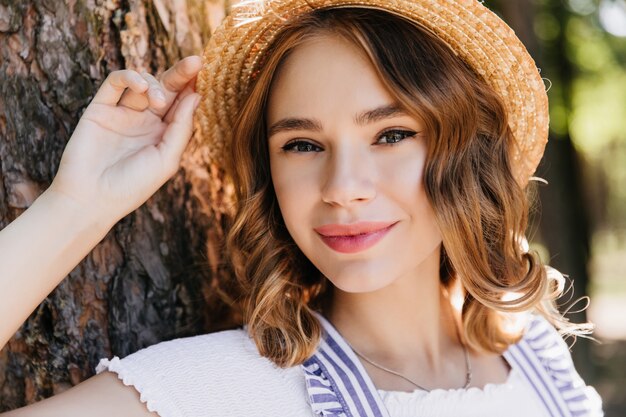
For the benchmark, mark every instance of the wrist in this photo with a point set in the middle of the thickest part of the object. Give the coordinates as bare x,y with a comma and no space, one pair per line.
82,217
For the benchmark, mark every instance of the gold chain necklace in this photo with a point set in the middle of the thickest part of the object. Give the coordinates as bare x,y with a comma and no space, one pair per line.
468,366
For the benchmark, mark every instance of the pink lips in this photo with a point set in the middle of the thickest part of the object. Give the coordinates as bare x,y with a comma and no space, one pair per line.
352,238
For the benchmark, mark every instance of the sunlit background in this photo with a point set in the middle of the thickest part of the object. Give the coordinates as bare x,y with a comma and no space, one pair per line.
580,225
598,129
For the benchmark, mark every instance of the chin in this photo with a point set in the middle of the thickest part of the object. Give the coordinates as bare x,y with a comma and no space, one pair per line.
359,283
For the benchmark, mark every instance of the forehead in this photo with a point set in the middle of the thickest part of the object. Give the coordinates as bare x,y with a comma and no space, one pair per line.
324,75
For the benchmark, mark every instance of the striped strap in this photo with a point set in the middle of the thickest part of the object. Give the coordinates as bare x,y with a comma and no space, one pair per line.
338,385
336,381
545,360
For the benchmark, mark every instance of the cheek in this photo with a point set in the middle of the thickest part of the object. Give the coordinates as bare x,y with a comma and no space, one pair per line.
405,185
423,216
402,174
295,191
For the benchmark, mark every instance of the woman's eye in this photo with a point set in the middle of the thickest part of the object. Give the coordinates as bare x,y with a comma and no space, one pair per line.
389,137
393,137
301,146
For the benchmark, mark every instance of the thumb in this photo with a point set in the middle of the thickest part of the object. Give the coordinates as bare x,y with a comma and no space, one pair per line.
178,132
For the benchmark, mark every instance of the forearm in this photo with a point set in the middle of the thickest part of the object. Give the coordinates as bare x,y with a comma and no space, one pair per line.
37,250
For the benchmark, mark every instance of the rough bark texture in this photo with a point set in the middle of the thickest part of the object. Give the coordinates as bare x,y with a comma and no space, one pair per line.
152,277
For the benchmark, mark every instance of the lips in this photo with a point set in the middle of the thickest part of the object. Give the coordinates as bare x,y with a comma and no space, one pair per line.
332,230
352,238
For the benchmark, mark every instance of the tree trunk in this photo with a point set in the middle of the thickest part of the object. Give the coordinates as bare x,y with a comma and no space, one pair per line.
152,277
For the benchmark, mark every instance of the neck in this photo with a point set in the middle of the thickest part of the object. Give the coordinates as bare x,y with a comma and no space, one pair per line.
408,320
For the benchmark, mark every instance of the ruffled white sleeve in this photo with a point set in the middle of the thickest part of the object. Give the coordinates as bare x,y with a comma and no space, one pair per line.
218,374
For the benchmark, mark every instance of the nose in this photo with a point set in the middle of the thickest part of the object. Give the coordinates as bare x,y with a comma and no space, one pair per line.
348,178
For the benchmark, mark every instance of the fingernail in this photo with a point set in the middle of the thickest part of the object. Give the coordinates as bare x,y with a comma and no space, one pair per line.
141,80
196,101
159,94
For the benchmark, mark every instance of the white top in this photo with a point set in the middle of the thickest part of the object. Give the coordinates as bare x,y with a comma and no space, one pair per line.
515,396
222,374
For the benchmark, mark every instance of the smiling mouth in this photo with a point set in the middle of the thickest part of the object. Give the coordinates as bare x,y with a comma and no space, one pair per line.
353,242
352,229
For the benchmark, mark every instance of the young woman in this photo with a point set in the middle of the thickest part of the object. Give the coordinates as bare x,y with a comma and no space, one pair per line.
379,155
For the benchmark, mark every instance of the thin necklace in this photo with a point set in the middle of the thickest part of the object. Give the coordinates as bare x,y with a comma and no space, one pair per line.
468,367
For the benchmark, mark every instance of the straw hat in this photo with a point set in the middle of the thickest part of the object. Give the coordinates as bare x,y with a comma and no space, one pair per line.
474,33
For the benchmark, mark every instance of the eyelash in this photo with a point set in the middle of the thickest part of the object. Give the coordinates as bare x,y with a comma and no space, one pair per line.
407,134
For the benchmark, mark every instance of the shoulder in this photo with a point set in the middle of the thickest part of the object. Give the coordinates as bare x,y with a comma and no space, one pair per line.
189,351
548,345
543,351
544,338
213,374
543,343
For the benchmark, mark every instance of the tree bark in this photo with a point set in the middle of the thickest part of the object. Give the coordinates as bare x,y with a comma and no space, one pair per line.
152,277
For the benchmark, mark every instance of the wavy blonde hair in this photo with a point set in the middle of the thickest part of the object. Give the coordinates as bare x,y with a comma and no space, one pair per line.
481,210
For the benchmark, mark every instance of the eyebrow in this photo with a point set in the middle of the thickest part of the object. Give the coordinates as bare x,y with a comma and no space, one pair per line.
366,117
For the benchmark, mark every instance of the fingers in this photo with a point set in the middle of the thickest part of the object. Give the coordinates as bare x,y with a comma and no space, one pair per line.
172,110
178,133
134,100
171,83
116,82
156,93
176,78
153,97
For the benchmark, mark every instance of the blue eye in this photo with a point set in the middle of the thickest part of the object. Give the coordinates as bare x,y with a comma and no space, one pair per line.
393,137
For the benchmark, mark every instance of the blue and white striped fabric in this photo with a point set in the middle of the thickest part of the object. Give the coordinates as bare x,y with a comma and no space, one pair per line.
336,381
339,386
545,359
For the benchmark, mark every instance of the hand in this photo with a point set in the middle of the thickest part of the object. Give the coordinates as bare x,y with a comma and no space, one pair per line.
129,140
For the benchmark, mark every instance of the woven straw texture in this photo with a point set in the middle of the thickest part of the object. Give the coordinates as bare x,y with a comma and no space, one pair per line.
474,33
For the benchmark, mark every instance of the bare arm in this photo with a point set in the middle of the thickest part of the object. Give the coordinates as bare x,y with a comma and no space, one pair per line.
126,145
103,395
37,250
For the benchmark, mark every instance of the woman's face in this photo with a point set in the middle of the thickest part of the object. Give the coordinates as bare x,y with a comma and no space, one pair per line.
347,168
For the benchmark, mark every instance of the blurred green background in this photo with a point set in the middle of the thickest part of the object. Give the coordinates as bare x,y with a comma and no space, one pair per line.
579,225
